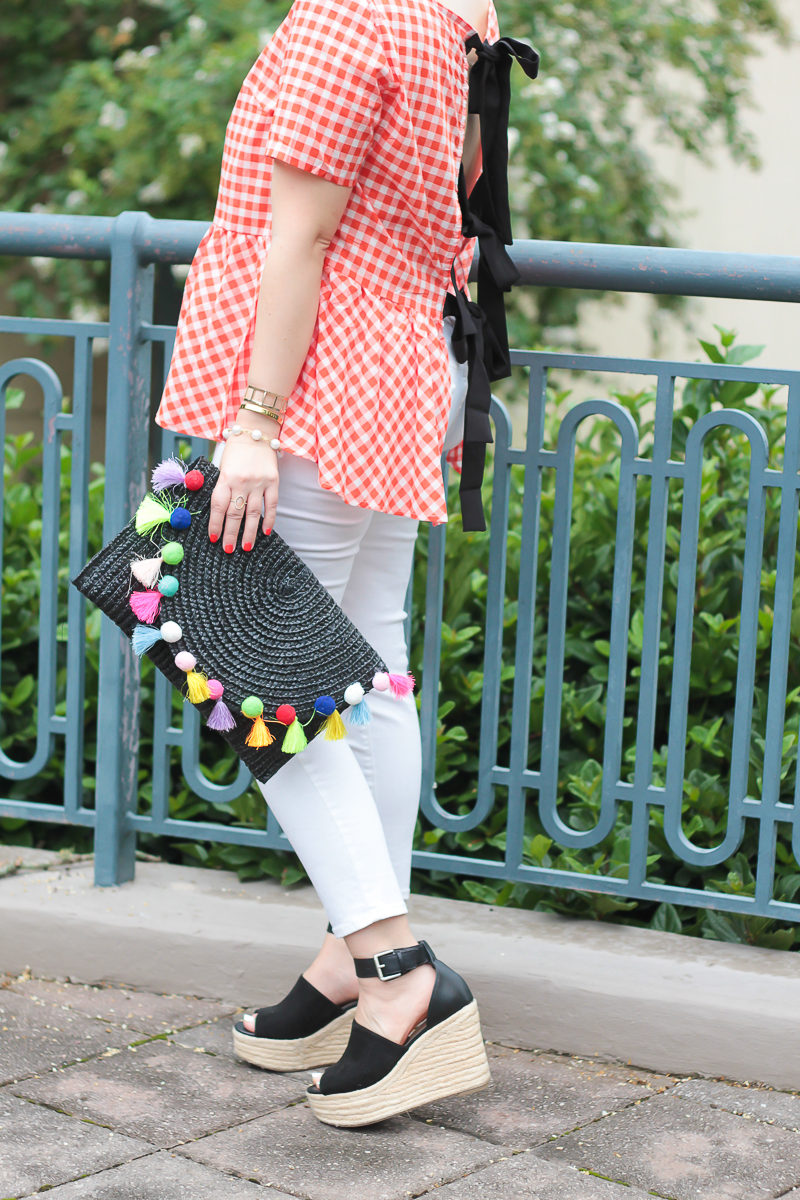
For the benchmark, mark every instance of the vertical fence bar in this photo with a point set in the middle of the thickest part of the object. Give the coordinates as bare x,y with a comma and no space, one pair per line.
126,458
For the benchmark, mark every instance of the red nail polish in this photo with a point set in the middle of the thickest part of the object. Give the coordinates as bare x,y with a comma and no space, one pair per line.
269,531
214,537
247,545
229,549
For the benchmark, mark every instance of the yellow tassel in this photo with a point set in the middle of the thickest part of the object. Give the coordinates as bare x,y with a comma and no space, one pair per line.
334,727
259,735
197,687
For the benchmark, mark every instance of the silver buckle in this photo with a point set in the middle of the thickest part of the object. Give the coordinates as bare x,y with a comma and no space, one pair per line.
379,967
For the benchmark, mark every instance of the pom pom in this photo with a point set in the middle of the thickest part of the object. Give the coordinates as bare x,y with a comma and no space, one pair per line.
197,687
380,681
172,553
143,637
168,473
252,706
194,480
145,605
295,739
353,694
168,585
146,570
359,714
285,714
215,689
401,685
220,717
180,518
334,728
325,705
150,513
259,735
185,661
171,631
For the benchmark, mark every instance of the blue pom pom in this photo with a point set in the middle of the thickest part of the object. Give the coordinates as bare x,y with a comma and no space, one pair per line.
143,637
359,714
325,705
180,518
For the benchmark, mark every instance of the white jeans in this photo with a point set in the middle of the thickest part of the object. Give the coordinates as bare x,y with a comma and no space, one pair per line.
349,808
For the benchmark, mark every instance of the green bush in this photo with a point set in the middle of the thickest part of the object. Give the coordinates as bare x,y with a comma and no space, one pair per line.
712,678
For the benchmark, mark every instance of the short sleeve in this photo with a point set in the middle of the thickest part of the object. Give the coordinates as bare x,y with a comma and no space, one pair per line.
493,30
329,101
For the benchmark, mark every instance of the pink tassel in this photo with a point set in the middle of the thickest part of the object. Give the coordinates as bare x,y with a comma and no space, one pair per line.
401,685
221,718
168,473
145,605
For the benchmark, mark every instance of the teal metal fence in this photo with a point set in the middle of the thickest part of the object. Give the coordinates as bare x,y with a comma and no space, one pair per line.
134,243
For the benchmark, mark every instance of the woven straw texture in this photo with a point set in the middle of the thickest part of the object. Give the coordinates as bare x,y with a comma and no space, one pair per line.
258,621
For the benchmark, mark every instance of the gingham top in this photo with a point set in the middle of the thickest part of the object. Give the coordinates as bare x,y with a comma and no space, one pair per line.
370,94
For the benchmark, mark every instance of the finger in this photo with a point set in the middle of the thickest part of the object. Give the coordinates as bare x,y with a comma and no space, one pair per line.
270,506
250,528
233,521
220,499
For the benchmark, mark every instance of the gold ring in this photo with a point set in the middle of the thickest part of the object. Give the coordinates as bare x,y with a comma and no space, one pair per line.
239,502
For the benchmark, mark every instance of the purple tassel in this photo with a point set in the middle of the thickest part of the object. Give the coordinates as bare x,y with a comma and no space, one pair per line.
168,473
221,718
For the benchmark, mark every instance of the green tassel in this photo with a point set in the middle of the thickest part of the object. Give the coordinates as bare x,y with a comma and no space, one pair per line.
295,739
150,513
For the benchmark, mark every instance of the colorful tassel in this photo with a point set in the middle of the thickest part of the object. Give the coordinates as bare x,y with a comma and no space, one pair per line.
151,513
220,718
295,739
359,714
259,735
401,685
145,605
143,637
169,473
334,728
147,570
197,687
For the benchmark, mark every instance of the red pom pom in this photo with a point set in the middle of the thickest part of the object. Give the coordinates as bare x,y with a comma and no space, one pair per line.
194,480
285,714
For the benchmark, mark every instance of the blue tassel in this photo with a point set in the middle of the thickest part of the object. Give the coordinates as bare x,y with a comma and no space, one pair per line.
143,637
359,714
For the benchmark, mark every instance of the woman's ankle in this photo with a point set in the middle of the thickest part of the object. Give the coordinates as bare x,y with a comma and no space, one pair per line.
332,971
395,1008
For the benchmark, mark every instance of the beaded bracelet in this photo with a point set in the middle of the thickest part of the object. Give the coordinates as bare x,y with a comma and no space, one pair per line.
255,434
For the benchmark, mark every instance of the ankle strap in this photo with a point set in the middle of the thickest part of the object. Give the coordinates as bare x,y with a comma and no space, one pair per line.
391,964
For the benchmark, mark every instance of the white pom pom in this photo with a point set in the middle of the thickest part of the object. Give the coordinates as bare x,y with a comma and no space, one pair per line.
353,694
171,631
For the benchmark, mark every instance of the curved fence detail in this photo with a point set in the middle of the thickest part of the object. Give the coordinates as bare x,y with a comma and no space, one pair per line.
528,776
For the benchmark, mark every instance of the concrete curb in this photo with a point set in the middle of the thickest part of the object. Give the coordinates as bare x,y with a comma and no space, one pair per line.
655,1000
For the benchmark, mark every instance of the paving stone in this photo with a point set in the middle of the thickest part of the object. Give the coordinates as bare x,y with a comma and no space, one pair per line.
162,1176
533,1096
143,1012
162,1092
390,1161
37,1036
41,1147
527,1177
777,1108
215,1037
685,1150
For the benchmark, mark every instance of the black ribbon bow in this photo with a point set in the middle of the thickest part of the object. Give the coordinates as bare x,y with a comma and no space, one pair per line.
480,335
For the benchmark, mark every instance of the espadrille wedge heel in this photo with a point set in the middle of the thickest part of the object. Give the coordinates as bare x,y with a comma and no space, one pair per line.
376,1078
304,1030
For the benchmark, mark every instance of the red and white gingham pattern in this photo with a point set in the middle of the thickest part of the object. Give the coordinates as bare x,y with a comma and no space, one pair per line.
370,95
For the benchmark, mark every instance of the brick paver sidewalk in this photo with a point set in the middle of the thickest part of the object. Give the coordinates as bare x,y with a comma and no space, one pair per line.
126,1095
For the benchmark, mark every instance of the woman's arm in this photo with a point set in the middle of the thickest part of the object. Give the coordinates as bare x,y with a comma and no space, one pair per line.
306,211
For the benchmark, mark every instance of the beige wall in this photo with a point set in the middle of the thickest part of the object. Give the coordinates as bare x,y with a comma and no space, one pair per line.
734,209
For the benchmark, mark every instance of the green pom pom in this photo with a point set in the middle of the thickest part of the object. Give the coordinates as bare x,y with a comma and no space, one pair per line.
252,706
168,585
172,553
150,513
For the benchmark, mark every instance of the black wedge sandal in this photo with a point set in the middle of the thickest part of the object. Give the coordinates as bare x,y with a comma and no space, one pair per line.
376,1078
305,1029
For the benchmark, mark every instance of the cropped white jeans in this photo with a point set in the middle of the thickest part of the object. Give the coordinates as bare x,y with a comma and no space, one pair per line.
349,807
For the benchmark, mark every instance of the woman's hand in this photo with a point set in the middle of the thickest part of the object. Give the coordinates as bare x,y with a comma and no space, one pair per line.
248,473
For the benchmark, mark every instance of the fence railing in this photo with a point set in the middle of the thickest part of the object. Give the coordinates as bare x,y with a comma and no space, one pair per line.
134,242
